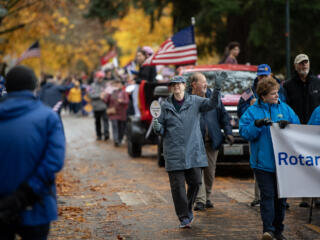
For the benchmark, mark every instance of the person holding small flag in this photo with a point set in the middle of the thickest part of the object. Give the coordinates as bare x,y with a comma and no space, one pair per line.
184,151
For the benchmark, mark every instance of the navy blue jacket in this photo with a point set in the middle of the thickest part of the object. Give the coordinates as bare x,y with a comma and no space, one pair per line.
243,104
51,93
32,147
215,120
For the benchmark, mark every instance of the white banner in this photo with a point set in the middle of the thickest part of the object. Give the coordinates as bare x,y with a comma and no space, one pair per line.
297,156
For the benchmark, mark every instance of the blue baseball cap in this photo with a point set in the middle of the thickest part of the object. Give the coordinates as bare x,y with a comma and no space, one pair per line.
263,69
177,79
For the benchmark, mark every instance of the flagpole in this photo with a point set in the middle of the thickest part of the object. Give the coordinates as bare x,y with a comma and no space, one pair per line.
193,23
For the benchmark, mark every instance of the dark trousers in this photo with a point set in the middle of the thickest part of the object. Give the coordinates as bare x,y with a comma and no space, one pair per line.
272,208
41,232
75,107
101,116
118,130
183,201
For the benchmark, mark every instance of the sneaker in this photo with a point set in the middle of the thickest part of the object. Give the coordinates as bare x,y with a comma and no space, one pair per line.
185,223
199,206
209,204
304,204
267,236
280,237
255,203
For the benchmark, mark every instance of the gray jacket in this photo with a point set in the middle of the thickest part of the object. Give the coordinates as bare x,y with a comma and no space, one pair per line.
96,89
182,139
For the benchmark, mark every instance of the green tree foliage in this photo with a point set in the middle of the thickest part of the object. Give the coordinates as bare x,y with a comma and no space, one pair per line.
259,25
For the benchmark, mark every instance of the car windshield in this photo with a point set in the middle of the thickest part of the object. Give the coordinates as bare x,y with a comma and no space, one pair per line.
235,82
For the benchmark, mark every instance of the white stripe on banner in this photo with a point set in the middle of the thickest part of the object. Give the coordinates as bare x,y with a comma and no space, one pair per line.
164,55
297,156
174,60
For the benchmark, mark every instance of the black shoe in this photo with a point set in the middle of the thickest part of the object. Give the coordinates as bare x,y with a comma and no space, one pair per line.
304,204
287,206
99,138
255,203
199,206
209,204
280,237
106,138
116,144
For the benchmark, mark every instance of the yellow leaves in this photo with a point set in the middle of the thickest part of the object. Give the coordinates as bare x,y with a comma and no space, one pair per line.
134,31
63,20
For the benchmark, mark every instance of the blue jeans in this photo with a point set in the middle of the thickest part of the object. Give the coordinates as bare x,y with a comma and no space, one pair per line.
41,232
272,208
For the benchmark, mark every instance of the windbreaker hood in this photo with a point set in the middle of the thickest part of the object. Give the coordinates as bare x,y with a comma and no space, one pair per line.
17,103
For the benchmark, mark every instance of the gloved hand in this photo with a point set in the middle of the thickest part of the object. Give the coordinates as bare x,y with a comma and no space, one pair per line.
218,80
12,205
156,125
230,139
283,123
262,122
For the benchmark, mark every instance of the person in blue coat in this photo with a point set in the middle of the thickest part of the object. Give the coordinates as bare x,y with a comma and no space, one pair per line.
247,99
315,117
211,124
32,147
183,148
254,126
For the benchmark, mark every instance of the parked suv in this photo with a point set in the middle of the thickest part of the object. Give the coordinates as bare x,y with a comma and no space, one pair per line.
237,78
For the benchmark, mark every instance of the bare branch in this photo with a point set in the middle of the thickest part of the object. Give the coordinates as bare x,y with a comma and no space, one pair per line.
23,7
12,29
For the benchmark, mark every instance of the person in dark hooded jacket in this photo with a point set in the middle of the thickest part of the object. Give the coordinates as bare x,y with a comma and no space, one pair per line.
32,147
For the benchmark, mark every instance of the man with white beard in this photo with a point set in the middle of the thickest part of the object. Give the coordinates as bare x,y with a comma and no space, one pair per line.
303,96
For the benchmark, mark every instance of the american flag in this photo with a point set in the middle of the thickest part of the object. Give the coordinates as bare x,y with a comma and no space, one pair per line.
31,52
247,94
177,50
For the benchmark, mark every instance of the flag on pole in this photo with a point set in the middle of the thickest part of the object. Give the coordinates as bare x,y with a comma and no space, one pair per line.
108,57
31,52
177,50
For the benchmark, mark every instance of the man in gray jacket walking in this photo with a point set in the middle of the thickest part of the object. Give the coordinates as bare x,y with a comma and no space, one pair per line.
98,105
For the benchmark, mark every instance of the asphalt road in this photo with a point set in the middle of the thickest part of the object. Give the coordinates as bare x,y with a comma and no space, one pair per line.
104,194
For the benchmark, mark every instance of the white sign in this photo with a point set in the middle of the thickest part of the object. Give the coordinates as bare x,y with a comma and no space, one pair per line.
297,156
155,109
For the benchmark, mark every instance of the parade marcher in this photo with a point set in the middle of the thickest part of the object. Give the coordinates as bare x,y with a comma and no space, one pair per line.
254,126
75,97
51,93
99,106
231,53
184,152
32,146
117,103
247,99
211,124
303,96
315,117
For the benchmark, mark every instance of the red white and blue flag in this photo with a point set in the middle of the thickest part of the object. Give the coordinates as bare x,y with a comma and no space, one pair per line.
31,52
178,50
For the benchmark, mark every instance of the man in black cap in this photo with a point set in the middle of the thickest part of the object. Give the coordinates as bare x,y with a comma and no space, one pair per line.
32,147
